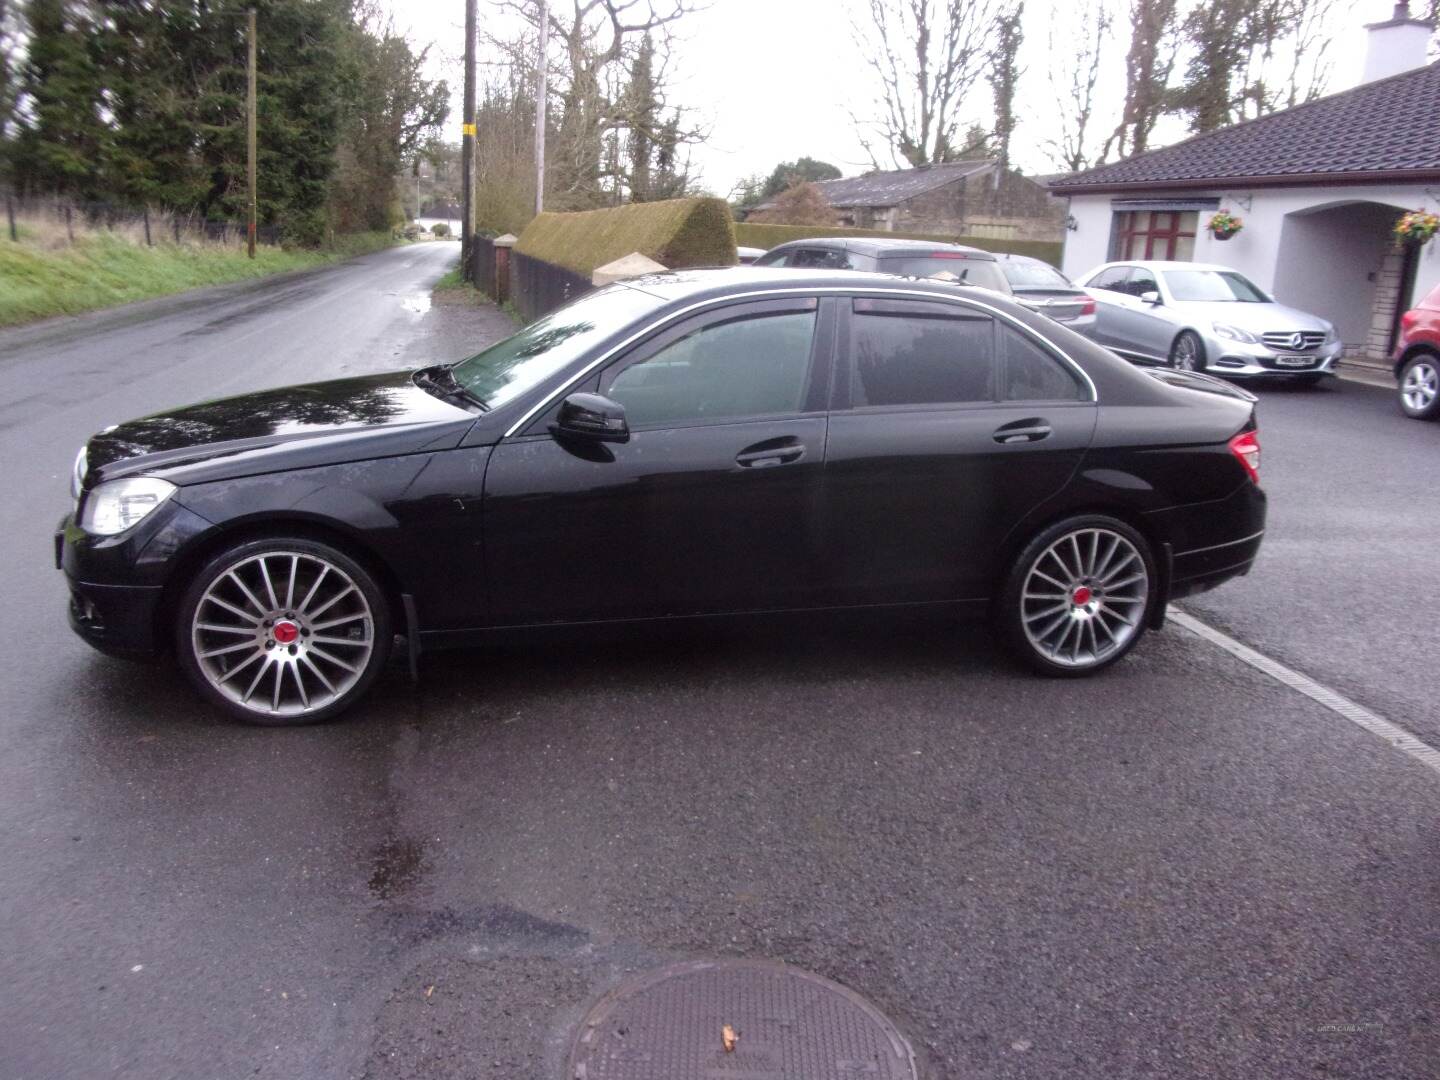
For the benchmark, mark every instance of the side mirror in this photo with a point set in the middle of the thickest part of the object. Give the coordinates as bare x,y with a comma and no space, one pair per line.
593,418
1151,297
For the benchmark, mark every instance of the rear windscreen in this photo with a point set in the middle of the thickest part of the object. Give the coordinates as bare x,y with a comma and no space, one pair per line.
982,272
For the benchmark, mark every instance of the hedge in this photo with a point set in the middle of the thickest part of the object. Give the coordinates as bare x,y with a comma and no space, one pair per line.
675,233
754,234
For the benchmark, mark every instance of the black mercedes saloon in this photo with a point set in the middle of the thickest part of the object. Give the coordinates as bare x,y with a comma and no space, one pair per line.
689,444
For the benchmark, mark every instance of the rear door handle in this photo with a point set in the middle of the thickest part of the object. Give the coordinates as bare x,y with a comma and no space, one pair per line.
770,453
1022,431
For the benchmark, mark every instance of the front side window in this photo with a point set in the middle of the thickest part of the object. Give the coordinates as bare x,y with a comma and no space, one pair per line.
1029,373
751,366
1156,234
549,345
899,358
772,258
1213,285
1141,282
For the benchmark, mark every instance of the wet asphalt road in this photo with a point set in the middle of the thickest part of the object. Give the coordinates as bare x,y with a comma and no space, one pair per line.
1179,869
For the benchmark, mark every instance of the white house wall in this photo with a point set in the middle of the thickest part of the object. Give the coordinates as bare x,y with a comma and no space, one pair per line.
1256,251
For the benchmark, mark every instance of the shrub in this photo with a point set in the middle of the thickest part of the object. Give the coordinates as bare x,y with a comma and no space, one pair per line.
675,233
799,204
440,229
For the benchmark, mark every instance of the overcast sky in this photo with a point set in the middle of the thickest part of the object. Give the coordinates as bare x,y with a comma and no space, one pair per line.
773,80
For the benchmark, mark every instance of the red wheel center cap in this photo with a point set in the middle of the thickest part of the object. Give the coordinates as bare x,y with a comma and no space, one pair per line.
1080,597
286,632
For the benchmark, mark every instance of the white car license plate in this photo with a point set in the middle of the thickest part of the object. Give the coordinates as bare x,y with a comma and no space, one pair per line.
1295,361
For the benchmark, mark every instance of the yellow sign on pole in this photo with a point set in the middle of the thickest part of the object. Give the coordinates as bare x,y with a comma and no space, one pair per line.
467,129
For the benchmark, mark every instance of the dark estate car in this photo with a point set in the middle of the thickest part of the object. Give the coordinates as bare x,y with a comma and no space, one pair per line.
688,444
1040,287
883,255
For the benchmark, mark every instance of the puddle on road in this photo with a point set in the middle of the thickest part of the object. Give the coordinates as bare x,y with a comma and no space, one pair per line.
419,303
396,865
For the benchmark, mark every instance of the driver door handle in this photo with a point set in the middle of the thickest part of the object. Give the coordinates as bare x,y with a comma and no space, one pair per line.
772,452
1029,430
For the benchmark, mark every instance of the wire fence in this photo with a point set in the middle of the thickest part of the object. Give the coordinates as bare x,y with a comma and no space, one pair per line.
55,221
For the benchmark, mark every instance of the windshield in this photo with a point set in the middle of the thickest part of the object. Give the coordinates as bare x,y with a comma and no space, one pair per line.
982,272
511,367
1212,285
1033,275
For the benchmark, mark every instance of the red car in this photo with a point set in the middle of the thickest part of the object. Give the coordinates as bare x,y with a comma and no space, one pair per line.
1417,359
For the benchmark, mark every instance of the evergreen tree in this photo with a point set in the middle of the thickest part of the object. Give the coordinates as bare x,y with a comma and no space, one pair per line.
60,134
789,173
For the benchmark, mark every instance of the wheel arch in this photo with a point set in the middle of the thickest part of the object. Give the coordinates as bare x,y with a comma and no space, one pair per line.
269,526
1419,348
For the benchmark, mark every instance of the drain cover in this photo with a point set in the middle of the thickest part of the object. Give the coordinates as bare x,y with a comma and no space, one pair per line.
779,1023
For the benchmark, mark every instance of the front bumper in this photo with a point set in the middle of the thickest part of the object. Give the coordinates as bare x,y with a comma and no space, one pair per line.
1233,358
117,583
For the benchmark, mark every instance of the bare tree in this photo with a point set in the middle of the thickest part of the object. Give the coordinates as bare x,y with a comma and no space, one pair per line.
1074,74
1311,58
926,56
1154,43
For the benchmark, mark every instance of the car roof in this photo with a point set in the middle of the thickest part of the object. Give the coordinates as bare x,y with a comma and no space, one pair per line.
1164,264
719,282
885,245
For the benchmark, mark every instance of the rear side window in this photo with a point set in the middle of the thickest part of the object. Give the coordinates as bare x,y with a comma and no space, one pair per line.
1029,373
821,258
913,358
1112,279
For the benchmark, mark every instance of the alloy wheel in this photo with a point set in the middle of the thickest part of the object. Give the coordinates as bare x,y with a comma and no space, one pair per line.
1186,354
282,633
1421,386
1084,597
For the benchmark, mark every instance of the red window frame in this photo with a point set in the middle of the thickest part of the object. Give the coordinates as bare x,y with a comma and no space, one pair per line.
1167,234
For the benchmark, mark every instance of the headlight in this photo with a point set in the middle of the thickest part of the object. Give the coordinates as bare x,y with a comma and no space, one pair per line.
1234,333
77,473
1331,337
116,505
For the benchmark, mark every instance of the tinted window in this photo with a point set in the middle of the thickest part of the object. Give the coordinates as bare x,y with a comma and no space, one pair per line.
1213,285
509,368
772,258
982,272
1112,279
1029,373
753,366
920,360
824,258
1033,275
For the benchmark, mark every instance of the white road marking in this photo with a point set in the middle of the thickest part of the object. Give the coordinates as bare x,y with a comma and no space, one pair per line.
1395,735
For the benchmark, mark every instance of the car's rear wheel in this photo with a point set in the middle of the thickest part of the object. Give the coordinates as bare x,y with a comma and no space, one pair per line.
283,631
1076,599
1187,353
1420,387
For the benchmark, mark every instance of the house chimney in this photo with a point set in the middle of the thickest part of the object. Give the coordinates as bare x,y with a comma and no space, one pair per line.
1395,45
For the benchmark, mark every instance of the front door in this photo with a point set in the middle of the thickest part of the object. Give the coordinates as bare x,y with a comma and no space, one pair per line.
711,506
949,427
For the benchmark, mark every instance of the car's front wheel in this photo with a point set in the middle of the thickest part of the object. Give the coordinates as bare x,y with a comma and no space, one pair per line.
283,631
1420,387
1187,353
1077,597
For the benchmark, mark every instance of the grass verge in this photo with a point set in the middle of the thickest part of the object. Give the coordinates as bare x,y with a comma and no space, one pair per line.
100,271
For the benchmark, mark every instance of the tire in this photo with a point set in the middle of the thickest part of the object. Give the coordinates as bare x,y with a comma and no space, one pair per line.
1102,563
1419,393
251,631
1187,353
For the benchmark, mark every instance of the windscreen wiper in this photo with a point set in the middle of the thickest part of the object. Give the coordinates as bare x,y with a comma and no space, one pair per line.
443,379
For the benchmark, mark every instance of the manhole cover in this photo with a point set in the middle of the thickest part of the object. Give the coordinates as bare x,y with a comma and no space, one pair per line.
780,1023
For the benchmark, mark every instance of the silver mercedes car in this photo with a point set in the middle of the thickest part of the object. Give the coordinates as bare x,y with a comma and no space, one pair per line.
1203,317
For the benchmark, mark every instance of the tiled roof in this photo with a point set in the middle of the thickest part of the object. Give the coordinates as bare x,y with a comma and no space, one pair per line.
1383,128
894,187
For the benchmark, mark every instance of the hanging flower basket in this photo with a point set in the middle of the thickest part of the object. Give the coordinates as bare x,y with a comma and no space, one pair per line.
1223,225
1416,228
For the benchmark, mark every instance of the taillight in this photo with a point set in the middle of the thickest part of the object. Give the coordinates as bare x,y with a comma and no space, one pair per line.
1409,319
1087,305
1246,447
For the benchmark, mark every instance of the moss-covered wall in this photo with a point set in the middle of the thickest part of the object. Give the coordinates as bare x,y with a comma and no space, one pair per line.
767,236
675,233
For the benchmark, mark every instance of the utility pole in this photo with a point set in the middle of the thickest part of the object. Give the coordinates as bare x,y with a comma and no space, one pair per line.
250,130
541,93
467,149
